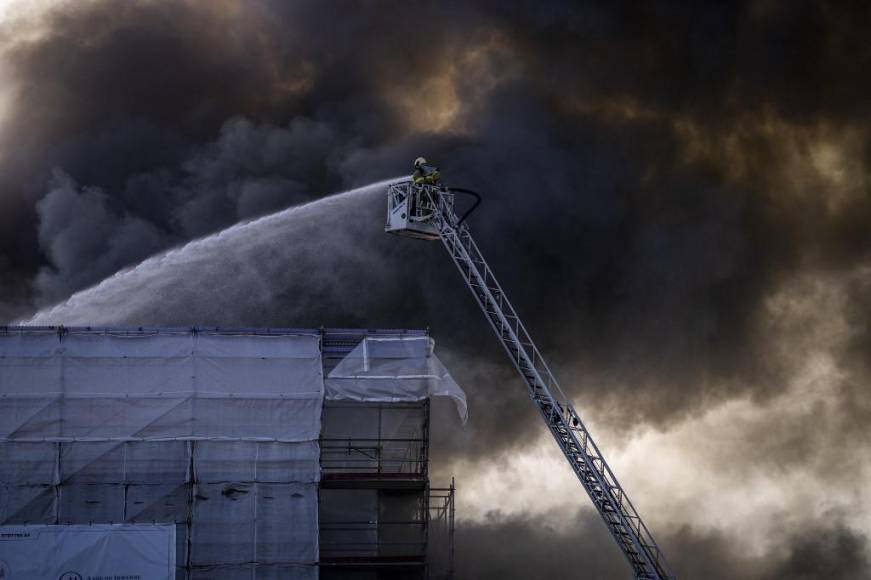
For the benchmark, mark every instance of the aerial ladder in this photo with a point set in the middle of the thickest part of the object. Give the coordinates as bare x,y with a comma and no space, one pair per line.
426,212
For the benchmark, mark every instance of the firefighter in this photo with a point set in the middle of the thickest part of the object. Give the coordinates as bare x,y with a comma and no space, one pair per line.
425,173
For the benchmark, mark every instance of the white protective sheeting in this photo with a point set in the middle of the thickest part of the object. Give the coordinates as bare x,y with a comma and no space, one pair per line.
159,386
237,523
256,572
96,551
393,369
213,434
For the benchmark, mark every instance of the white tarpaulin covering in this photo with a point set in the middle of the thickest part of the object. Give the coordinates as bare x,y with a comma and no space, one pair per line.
162,385
393,369
215,433
135,552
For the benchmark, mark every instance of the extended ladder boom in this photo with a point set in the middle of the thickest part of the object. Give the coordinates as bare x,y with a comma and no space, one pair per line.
434,207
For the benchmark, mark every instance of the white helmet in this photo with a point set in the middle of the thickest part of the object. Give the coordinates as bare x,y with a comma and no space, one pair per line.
418,162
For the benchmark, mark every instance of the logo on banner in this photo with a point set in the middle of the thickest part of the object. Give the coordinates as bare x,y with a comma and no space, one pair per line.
70,576
5,572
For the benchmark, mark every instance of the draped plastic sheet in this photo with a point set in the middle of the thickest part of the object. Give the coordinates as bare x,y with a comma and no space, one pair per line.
94,551
393,369
217,433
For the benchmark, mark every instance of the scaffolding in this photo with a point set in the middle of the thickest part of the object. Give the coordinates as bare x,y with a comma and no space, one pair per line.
229,435
379,516
377,509
442,513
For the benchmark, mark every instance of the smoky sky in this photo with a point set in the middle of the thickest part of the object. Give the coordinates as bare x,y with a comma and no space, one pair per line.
530,547
664,187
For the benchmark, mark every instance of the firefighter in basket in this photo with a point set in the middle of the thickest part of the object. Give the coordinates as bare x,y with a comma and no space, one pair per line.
425,172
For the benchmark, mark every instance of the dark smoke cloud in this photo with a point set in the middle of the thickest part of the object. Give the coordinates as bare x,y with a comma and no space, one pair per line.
529,546
84,239
655,178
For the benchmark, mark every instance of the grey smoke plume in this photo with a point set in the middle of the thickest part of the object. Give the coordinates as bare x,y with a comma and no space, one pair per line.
529,546
77,228
676,199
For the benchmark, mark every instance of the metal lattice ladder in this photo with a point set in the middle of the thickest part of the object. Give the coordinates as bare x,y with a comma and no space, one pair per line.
563,422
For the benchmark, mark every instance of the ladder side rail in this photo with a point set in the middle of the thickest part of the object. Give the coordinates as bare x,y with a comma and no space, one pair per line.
477,257
537,356
606,469
620,529
632,550
554,421
497,320
445,216
547,406
505,304
625,503
641,536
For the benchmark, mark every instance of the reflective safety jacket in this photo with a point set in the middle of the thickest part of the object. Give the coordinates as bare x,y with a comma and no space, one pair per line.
426,173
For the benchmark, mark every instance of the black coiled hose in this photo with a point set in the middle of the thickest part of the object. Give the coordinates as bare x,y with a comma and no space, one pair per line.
474,205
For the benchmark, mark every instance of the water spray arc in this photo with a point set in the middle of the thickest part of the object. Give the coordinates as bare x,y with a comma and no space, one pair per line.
427,212
203,266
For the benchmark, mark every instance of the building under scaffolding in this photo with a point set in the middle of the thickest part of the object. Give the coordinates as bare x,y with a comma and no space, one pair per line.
214,453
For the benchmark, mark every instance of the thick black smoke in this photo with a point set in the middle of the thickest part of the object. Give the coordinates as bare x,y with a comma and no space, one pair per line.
531,547
653,177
